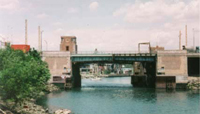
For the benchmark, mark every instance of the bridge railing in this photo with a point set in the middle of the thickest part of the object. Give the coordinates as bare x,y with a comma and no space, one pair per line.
106,52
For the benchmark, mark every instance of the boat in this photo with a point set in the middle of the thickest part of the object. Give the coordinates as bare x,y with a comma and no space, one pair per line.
95,78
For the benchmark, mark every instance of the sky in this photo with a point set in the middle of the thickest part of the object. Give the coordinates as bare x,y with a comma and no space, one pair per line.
108,25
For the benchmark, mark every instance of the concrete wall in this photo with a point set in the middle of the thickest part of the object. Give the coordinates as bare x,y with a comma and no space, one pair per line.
163,81
56,62
69,41
172,63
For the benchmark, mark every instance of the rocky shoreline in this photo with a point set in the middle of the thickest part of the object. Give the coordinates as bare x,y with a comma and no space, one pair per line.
30,106
194,84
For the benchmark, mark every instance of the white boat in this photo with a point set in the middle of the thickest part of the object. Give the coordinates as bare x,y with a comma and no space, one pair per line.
95,79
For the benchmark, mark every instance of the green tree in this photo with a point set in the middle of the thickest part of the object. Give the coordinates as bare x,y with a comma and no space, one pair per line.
22,75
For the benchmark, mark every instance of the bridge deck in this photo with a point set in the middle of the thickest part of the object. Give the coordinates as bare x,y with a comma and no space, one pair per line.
113,57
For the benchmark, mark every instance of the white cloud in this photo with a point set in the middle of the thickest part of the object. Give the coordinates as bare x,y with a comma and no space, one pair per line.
9,4
119,39
72,10
158,11
42,16
93,6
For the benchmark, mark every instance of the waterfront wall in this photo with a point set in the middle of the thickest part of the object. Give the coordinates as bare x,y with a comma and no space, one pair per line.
172,63
58,62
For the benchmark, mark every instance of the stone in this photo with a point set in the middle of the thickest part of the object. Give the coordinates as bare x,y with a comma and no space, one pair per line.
25,106
62,111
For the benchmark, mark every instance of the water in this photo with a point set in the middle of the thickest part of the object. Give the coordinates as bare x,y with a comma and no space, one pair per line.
117,96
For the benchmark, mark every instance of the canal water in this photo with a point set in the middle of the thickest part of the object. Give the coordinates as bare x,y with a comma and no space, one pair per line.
117,96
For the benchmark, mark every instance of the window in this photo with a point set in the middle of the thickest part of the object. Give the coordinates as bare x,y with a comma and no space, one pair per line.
65,69
67,48
73,39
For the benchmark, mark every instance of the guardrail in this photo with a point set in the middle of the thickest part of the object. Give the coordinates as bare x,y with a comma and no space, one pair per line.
106,52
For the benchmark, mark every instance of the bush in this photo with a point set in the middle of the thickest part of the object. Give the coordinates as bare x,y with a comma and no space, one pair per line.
22,75
106,71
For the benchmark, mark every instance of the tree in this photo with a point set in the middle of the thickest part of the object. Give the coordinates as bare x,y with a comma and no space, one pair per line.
22,75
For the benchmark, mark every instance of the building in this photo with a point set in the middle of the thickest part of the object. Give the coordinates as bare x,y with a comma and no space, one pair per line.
23,47
59,62
68,43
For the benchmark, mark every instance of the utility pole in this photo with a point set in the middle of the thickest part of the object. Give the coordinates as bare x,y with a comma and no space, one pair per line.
26,36
179,40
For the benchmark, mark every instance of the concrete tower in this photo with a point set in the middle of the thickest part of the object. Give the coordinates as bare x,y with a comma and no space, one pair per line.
68,43
26,34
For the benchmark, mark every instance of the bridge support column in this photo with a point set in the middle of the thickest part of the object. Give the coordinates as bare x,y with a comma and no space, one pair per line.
151,73
76,77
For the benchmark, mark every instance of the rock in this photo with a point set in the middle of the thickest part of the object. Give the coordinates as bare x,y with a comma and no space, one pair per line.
46,110
62,111
194,88
25,106
2,112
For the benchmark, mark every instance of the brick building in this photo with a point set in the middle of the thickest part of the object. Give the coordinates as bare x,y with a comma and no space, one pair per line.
23,47
68,43
59,62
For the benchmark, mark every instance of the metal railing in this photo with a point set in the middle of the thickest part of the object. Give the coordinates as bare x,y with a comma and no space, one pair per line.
106,52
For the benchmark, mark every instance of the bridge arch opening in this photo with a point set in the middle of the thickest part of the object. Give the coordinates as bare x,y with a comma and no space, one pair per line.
143,76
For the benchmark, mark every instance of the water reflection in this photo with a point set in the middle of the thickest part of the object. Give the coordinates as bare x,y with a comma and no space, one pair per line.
117,96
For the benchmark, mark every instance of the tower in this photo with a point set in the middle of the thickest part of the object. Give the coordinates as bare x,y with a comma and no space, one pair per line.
68,43
179,40
26,36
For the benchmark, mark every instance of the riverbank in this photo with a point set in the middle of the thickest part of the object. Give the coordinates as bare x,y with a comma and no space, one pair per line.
193,83
27,106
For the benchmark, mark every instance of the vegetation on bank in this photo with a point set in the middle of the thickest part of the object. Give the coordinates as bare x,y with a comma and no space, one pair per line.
22,75
193,84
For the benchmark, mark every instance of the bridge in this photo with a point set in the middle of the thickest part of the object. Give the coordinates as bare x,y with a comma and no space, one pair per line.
172,65
110,57
163,67
147,59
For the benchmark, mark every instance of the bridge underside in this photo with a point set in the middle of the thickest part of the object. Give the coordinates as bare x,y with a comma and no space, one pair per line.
148,60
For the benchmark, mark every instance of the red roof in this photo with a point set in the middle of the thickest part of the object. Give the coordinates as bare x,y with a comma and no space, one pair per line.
23,47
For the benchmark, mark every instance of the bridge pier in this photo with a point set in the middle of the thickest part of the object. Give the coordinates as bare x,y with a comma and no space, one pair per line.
76,77
145,75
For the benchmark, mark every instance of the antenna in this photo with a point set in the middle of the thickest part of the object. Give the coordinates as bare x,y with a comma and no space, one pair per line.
26,36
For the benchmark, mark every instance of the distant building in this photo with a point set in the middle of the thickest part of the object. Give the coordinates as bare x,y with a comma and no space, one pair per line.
68,43
23,47
157,48
4,44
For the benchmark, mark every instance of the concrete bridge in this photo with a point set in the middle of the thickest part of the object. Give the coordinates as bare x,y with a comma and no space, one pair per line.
161,67
116,57
148,59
